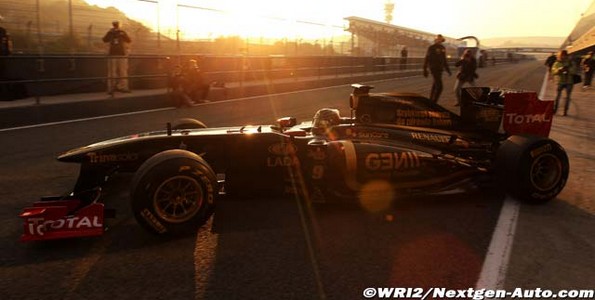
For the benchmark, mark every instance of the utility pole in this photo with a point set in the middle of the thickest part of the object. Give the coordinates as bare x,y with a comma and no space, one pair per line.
389,7
70,26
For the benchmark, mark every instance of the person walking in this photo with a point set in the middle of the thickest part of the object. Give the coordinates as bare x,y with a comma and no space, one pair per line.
563,70
467,67
588,65
435,61
117,62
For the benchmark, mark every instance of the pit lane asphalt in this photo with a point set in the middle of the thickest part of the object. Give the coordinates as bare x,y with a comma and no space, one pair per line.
260,248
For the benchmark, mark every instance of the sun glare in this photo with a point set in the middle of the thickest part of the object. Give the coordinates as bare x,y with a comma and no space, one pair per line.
247,20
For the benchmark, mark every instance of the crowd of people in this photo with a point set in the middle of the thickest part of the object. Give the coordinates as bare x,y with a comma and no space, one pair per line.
565,71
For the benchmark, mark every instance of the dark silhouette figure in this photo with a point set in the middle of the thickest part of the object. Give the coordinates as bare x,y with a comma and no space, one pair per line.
467,67
588,65
563,70
117,62
435,60
403,62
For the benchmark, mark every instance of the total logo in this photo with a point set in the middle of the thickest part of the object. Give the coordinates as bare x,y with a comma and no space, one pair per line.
39,226
514,118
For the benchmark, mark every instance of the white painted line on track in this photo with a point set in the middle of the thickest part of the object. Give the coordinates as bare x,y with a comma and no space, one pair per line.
85,119
543,86
495,265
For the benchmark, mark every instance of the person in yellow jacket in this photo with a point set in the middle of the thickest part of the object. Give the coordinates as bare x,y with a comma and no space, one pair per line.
563,70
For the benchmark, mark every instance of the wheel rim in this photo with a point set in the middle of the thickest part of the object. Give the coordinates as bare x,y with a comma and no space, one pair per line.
178,199
546,172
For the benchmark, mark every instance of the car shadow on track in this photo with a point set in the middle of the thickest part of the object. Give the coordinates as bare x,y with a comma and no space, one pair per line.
269,245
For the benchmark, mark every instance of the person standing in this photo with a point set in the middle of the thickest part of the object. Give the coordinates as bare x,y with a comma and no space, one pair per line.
404,54
435,60
588,65
467,67
117,62
5,48
563,70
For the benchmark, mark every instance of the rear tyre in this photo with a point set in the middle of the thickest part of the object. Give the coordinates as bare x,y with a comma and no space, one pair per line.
173,192
533,169
187,123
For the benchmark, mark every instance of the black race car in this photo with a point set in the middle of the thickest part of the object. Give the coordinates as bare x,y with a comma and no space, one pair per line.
391,142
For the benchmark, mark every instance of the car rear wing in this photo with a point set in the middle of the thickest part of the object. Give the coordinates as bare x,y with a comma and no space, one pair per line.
506,111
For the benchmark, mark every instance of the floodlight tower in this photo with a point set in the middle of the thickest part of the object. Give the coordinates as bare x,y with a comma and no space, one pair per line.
389,6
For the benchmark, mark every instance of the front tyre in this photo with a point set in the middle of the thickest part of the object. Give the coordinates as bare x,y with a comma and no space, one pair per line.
533,169
173,192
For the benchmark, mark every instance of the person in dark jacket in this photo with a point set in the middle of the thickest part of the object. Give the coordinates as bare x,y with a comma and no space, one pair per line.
467,67
435,60
117,62
563,70
404,54
196,84
5,49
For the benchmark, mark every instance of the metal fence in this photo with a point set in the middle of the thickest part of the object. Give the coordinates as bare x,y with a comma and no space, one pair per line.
73,26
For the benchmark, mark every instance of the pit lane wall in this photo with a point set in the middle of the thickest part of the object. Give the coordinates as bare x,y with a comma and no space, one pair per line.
262,75
46,112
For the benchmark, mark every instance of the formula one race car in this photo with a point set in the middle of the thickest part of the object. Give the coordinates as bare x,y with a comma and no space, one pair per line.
403,141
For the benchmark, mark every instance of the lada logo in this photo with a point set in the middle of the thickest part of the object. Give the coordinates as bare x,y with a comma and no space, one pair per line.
282,161
282,149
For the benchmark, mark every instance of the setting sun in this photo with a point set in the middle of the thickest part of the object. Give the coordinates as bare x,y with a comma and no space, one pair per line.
312,19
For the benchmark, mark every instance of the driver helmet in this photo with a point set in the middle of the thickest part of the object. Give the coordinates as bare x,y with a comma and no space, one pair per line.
324,119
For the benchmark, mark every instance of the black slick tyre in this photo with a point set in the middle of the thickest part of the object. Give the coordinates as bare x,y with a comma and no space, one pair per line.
173,192
533,169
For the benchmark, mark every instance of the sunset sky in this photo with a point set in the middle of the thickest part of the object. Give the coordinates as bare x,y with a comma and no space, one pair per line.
289,18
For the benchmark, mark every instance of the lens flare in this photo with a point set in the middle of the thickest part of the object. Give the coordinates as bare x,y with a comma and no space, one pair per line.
376,195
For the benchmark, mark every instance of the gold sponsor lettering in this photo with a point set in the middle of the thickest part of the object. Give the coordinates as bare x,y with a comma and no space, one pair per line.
282,161
371,135
392,161
422,114
282,149
430,137
95,158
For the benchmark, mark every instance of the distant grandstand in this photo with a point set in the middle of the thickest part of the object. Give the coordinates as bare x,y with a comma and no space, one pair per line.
375,38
